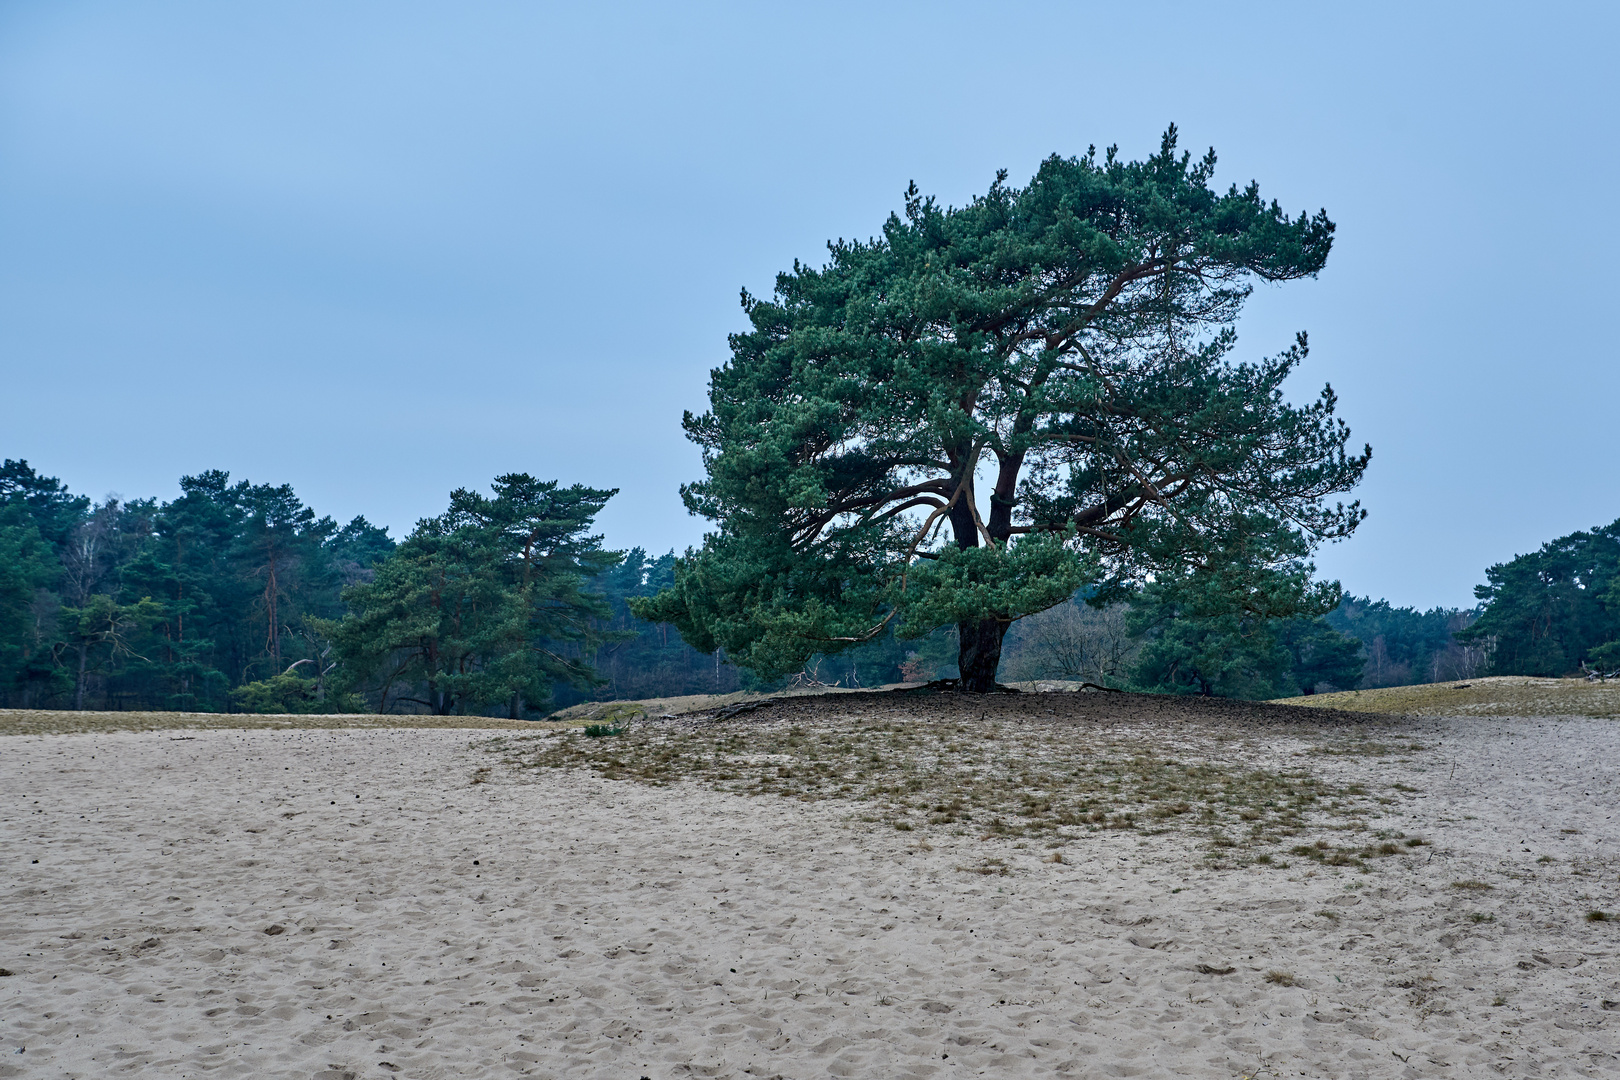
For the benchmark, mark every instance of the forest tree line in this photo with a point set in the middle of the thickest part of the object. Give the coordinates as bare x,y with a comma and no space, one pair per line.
236,596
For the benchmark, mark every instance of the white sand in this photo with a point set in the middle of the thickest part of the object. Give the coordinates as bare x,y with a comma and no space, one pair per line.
613,930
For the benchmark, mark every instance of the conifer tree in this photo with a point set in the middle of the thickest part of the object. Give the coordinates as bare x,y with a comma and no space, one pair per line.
1046,374
484,605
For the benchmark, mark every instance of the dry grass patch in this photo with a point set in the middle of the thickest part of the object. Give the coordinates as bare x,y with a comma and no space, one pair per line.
1366,748
987,777
63,722
988,867
1500,695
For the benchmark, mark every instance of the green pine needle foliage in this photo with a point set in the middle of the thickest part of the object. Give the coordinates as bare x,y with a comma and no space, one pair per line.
983,408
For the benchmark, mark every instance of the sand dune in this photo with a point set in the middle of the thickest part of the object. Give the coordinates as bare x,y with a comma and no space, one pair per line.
335,903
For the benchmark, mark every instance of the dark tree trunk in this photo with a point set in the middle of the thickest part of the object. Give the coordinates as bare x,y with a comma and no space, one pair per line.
272,631
79,683
979,653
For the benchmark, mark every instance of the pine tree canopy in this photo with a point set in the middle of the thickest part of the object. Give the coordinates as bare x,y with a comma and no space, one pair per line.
1047,372
1555,611
485,604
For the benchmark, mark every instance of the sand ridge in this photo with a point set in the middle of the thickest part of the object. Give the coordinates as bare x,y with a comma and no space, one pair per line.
558,924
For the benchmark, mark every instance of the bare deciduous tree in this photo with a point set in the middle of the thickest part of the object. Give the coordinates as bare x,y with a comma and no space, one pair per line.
1074,641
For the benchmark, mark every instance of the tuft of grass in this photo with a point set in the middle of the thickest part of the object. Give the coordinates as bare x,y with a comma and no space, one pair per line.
1473,884
1280,978
602,731
1480,917
1055,857
902,826
1328,855
988,867
1361,748
1598,916
1326,914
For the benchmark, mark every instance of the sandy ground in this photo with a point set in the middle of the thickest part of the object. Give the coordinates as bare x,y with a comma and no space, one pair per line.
336,903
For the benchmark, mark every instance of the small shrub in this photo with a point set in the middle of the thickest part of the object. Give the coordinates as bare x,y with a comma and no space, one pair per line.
602,731
1280,978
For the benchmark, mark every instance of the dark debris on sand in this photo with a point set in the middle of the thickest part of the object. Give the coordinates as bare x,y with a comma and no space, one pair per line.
1090,707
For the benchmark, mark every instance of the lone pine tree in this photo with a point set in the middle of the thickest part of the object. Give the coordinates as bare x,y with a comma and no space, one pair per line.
1045,372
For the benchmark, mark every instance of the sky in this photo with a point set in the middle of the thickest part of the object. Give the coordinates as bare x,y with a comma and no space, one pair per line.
381,251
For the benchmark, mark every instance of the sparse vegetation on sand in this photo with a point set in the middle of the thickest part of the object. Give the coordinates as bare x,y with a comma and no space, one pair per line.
1025,766
617,712
66,722
1502,695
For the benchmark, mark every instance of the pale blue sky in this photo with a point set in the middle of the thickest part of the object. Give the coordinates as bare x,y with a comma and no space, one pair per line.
383,250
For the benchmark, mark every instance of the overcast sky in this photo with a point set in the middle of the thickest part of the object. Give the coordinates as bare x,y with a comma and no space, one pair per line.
379,251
